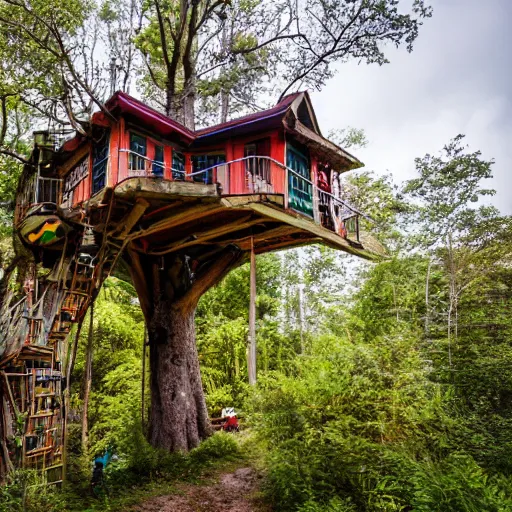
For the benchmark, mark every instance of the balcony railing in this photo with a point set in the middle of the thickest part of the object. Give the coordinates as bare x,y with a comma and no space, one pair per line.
263,175
38,190
48,190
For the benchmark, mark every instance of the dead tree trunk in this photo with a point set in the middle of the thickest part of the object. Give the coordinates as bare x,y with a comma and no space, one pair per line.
169,289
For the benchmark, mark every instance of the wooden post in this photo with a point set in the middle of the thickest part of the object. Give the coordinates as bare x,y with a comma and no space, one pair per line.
88,381
251,359
143,387
301,318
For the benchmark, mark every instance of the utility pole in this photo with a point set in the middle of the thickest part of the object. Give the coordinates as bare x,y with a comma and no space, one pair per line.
251,356
143,384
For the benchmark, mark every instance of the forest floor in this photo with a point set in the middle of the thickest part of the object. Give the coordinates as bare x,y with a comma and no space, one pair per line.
236,491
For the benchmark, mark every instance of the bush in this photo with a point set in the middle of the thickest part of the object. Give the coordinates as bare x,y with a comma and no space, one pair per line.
26,491
361,428
220,445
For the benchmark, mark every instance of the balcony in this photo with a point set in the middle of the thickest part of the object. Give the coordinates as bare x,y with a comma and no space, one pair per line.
38,190
266,176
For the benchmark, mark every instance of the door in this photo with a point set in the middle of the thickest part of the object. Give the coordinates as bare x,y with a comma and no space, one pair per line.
300,189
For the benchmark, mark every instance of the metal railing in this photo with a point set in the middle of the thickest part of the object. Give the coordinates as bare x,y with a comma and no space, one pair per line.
301,194
48,190
37,190
262,175
142,166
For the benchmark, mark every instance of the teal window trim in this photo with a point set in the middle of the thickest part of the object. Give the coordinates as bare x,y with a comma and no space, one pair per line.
158,162
100,154
203,162
139,145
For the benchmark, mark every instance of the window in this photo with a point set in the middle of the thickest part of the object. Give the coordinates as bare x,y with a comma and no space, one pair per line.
178,166
300,189
257,169
100,161
158,163
206,163
138,148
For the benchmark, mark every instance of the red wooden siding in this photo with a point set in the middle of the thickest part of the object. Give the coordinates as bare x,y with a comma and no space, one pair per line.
233,149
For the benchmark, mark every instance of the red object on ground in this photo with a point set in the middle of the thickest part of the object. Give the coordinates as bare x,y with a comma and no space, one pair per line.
231,423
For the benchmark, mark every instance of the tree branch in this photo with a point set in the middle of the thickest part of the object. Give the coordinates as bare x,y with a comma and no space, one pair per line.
211,275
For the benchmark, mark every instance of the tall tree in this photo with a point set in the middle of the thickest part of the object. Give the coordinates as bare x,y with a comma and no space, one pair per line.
446,185
51,60
239,46
64,78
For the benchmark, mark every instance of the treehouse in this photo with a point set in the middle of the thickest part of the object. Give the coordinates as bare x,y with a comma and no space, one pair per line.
268,169
181,208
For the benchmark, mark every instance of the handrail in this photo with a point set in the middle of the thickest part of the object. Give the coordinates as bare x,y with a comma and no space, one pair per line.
246,158
334,216
54,192
157,162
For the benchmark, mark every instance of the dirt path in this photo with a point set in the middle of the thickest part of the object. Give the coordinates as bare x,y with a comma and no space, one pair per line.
232,492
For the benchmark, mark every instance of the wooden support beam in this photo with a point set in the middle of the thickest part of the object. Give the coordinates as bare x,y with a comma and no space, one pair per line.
150,188
137,274
178,219
208,235
210,276
87,383
280,232
318,231
126,224
251,359
279,245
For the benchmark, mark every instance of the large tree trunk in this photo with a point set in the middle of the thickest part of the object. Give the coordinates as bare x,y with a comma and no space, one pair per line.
178,418
168,290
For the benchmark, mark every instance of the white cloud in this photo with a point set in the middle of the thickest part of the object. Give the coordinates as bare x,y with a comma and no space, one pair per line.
457,80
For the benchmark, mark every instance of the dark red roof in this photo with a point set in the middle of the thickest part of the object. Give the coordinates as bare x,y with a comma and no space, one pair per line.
159,122
165,125
277,110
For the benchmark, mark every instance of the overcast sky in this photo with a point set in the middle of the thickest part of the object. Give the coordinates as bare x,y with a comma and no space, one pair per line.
457,80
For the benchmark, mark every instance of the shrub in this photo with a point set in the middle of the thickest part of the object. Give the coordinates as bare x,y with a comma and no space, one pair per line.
25,491
219,446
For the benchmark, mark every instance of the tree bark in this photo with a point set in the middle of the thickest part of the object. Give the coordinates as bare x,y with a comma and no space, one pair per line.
178,418
169,290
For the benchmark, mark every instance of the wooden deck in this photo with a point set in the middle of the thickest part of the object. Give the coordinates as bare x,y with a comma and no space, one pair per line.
160,217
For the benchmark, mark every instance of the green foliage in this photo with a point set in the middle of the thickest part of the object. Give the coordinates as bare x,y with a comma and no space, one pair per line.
26,491
360,425
219,446
349,138
117,367
446,185
367,398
